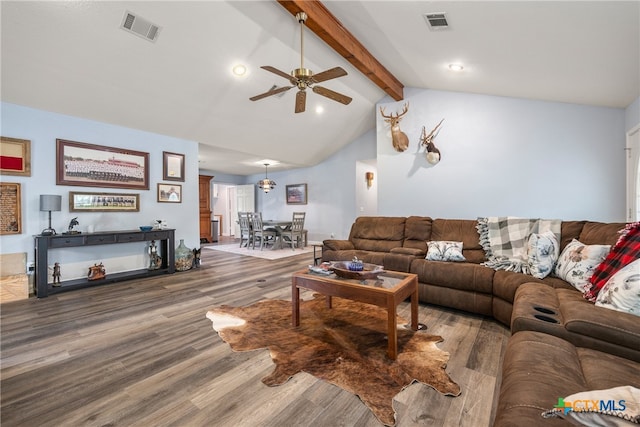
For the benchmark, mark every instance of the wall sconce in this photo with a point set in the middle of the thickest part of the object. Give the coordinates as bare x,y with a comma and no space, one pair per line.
50,202
369,177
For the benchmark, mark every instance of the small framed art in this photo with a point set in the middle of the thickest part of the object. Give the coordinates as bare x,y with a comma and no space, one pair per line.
172,166
297,194
103,202
170,193
15,156
11,213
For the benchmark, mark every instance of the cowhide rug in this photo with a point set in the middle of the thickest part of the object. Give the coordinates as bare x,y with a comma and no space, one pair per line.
345,345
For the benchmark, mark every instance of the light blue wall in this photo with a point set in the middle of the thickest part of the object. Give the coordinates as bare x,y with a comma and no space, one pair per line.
331,186
42,129
632,115
504,156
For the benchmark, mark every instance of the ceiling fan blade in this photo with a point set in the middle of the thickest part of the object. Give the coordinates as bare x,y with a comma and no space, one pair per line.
280,73
271,92
335,96
329,74
301,101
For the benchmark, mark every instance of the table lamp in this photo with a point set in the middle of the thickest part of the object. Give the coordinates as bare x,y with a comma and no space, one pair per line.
50,202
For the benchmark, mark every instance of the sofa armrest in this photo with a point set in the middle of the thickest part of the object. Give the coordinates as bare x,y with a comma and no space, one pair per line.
338,245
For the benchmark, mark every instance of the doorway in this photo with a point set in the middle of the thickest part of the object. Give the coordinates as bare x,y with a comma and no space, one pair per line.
633,174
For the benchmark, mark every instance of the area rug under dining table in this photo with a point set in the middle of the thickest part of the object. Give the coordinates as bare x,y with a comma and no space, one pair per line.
266,253
345,345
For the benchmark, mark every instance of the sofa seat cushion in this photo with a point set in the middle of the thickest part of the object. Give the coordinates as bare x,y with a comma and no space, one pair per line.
457,275
565,314
539,368
506,283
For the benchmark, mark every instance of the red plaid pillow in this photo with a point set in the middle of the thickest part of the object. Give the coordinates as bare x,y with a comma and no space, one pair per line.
626,250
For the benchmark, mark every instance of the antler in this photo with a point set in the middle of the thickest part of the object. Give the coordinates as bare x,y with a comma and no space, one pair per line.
427,139
405,108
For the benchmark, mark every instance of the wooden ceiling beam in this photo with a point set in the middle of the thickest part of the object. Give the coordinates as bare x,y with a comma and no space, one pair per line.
331,31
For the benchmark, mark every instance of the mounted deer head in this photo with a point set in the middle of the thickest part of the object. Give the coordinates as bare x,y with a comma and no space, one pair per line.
398,138
433,154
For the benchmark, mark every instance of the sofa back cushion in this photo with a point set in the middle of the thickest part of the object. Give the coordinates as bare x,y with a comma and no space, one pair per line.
599,233
378,234
570,230
460,230
417,231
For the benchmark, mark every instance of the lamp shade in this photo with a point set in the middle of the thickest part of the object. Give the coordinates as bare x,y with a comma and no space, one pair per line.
50,202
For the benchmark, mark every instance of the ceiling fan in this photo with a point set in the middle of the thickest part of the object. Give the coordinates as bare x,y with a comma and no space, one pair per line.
303,78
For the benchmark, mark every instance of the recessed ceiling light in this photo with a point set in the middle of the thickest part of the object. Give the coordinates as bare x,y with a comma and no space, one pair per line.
239,70
456,67
319,109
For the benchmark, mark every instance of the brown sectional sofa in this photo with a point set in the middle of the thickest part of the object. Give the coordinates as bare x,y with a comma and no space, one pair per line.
545,311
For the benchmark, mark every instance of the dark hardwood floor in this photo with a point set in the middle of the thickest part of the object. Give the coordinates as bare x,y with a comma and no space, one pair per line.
142,353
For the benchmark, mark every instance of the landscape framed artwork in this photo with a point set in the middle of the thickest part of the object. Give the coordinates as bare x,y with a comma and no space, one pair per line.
297,194
91,165
172,166
11,213
15,156
169,193
103,202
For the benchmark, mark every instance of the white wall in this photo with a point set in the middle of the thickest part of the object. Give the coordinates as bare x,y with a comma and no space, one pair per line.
42,128
504,156
632,115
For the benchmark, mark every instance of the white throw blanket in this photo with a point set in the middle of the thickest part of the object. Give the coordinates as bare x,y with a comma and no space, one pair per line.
504,240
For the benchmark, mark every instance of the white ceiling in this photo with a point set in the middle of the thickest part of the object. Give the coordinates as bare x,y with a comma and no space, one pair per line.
72,58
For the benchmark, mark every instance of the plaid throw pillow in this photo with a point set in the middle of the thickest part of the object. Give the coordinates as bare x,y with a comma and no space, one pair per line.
626,250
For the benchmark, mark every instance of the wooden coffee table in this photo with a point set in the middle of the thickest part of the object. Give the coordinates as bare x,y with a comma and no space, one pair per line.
388,291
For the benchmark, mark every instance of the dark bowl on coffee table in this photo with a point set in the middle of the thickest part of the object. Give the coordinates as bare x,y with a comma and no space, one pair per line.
369,271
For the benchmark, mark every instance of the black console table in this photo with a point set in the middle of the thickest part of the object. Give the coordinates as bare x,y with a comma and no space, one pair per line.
44,244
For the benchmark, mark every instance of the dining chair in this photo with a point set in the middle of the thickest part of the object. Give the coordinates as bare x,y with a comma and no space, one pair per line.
244,219
259,232
295,234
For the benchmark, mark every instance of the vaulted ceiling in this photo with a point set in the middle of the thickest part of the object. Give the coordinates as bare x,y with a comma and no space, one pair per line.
73,58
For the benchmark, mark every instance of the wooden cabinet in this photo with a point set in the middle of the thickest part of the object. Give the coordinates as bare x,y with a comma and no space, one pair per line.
44,244
205,208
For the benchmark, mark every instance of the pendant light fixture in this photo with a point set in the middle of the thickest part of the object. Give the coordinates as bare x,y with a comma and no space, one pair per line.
266,184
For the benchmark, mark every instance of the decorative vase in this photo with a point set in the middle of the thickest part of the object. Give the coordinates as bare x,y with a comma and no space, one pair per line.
184,257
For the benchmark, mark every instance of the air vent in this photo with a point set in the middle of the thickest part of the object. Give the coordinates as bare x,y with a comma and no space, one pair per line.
436,21
140,27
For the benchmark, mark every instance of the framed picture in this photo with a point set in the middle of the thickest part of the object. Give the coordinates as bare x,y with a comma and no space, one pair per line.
170,193
11,212
103,202
15,156
297,194
172,166
92,165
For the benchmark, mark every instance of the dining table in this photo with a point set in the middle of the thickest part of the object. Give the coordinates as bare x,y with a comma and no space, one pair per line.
279,226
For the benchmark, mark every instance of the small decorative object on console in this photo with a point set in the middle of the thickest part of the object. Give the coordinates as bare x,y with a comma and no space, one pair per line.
146,228
97,272
72,224
155,260
56,274
184,257
196,257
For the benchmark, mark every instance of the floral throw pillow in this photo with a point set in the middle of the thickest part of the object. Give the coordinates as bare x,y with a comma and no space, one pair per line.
444,251
542,253
622,291
578,261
